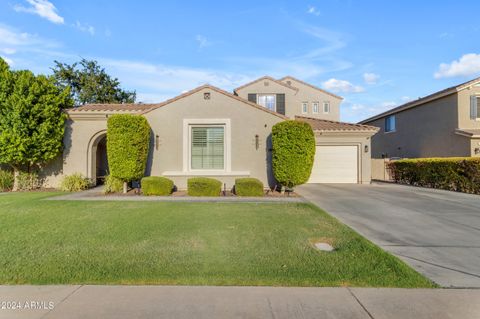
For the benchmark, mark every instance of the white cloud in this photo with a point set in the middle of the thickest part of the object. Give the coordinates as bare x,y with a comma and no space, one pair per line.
371,78
336,85
202,41
84,27
467,65
9,61
313,10
42,8
8,50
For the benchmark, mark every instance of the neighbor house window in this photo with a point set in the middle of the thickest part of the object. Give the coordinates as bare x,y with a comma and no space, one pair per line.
475,107
390,123
304,107
326,107
267,101
315,107
208,147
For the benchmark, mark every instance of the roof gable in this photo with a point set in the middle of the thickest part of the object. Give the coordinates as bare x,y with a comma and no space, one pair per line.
263,78
288,77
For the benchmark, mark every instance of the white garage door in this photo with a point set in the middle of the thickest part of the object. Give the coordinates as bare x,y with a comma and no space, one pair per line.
335,164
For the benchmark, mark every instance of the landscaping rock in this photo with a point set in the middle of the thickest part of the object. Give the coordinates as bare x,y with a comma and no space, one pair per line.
324,247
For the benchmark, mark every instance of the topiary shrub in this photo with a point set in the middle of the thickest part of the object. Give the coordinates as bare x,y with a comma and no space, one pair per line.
27,181
293,152
112,185
128,139
156,185
6,181
461,174
74,183
248,187
203,186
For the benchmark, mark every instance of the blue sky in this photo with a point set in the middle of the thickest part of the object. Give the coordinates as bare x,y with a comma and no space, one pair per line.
376,54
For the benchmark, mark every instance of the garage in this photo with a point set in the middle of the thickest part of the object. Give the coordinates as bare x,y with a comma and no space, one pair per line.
335,164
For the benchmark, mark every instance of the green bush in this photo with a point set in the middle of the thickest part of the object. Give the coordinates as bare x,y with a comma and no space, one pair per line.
6,181
202,186
460,174
293,152
112,185
248,187
27,181
155,185
128,139
74,183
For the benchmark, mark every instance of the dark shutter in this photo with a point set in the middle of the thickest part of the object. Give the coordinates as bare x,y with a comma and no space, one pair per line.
281,103
252,97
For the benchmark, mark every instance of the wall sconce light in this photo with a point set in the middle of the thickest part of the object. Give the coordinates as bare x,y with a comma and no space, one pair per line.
366,148
157,142
477,151
257,142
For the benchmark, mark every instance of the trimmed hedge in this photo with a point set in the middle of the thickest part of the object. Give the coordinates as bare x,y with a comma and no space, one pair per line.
128,139
156,185
74,183
203,186
461,174
6,181
112,185
293,152
248,187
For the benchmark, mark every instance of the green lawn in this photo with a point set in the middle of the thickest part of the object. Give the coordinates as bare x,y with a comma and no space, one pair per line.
78,242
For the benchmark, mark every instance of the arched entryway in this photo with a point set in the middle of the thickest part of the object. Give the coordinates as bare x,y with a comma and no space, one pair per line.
97,167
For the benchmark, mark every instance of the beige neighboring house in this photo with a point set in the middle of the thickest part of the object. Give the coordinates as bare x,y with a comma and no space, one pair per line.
443,124
210,132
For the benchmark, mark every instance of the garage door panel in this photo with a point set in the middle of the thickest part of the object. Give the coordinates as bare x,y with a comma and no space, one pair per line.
335,164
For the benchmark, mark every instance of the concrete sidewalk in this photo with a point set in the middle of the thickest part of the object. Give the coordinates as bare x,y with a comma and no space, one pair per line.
237,302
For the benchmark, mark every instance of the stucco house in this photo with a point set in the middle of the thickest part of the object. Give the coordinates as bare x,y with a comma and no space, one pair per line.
210,132
442,124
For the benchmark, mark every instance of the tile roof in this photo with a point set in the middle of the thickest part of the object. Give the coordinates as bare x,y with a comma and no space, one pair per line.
333,126
310,85
106,107
266,77
425,99
145,108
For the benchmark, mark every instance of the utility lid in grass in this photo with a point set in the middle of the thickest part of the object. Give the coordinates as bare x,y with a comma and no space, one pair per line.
324,247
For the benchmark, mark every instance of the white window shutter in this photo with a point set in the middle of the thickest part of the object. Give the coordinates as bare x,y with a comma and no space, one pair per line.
473,107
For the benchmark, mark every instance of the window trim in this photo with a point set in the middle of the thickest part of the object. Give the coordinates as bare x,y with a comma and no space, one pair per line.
187,125
274,100
326,103
476,111
394,126
313,107
190,141
304,107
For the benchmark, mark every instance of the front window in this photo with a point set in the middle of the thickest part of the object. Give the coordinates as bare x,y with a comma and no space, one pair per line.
475,107
390,123
267,101
208,147
326,107
304,107
315,107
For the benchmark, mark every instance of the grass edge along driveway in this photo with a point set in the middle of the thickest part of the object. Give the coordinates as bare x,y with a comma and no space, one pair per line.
268,244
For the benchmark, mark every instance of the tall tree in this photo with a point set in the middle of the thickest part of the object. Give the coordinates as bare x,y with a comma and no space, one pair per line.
31,118
89,83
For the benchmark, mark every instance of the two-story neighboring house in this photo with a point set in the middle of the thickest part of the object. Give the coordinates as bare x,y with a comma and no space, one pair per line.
442,124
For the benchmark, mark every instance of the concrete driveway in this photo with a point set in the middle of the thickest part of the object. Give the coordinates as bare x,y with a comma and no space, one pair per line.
436,232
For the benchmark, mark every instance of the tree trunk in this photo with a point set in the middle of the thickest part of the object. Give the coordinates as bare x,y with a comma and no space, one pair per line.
15,179
125,187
